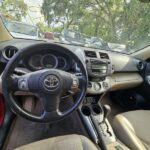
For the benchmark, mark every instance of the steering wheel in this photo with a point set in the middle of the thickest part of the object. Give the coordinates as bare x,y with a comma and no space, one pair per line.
48,84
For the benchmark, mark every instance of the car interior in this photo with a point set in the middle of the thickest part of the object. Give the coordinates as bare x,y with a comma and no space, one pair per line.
80,98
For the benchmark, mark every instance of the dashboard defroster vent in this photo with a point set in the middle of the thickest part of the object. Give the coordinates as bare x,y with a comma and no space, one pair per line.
90,54
103,55
9,52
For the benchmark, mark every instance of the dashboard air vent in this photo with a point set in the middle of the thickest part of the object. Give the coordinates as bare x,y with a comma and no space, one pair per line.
140,65
9,52
90,54
104,55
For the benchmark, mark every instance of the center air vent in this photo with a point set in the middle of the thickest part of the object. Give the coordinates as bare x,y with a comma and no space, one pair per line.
9,52
104,55
90,54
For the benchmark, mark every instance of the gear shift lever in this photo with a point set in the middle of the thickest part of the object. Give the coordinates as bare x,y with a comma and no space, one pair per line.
107,111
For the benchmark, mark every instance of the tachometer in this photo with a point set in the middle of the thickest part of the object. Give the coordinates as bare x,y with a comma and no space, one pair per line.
49,61
35,62
62,63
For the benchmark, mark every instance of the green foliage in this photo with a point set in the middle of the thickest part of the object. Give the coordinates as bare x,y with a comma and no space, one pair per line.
66,12
119,21
14,10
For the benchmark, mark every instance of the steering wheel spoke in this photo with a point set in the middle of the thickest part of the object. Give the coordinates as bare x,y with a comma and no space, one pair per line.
50,116
81,80
51,106
12,83
24,84
50,102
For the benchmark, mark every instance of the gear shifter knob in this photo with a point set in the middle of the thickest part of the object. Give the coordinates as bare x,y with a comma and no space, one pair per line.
107,111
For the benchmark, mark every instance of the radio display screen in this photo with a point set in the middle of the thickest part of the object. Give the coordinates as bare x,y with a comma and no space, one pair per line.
99,66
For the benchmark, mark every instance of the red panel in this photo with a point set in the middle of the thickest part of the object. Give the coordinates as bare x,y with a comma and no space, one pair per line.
2,109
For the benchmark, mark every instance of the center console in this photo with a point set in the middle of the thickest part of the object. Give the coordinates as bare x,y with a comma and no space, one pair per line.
99,71
94,116
92,112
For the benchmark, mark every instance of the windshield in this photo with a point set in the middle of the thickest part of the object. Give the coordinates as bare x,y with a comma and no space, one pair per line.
17,27
114,25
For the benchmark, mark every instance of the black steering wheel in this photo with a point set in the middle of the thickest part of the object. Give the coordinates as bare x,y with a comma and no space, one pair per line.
48,84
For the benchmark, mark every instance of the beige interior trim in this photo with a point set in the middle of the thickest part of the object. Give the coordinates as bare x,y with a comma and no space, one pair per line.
142,54
4,34
122,62
121,81
112,146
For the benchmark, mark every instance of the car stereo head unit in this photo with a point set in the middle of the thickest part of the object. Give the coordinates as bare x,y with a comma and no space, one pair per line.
97,68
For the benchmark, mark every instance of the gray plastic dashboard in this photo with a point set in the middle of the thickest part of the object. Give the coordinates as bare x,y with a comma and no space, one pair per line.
120,62
124,72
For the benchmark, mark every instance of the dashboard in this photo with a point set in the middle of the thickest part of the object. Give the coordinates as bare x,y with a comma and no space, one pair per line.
106,70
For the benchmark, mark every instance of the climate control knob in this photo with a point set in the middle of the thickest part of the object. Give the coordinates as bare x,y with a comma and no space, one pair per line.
97,86
105,85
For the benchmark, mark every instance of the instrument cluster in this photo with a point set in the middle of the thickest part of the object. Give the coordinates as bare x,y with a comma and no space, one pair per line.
48,61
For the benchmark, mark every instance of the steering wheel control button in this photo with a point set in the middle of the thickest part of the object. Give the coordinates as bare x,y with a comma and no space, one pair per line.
75,81
51,82
23,84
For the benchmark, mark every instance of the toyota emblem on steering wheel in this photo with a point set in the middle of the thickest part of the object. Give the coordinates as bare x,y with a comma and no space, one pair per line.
51,82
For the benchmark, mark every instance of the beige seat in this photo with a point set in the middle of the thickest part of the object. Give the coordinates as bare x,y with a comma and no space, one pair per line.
68,142
133,129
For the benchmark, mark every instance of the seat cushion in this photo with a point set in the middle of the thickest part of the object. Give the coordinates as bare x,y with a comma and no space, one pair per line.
133,129
68,142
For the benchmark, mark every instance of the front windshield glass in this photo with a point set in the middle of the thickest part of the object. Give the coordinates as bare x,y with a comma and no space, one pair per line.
16,27
114,25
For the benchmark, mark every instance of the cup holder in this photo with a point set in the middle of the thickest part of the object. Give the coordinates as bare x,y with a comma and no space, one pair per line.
86,111
96,109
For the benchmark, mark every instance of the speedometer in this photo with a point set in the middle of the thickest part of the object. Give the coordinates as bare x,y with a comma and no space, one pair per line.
49,61
35,62
62,63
